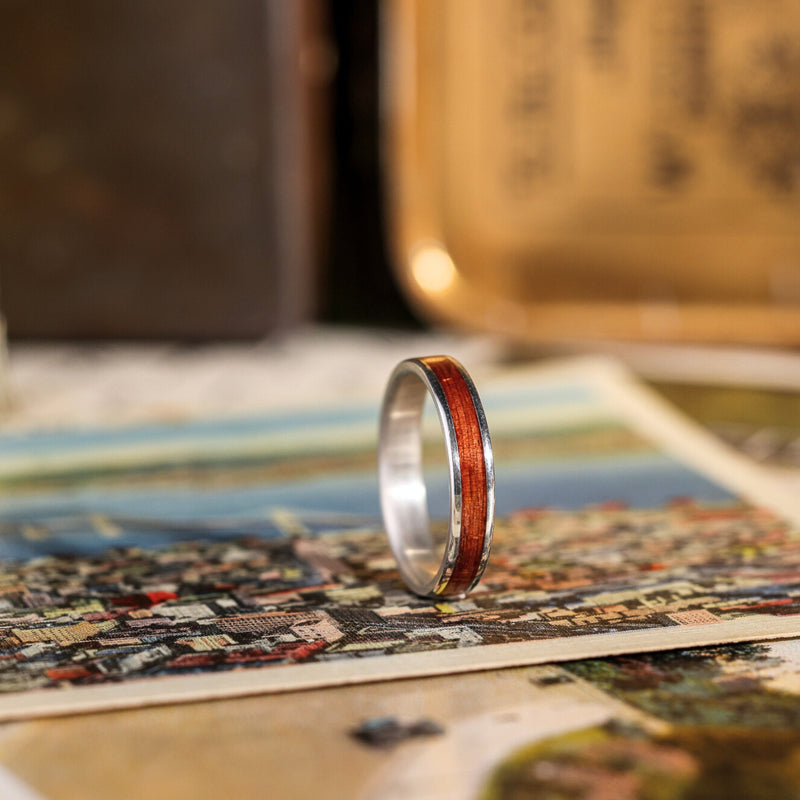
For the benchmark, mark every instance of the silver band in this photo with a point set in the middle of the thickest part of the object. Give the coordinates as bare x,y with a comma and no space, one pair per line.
402,487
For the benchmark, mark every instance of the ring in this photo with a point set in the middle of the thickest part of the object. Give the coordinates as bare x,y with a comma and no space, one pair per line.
402,488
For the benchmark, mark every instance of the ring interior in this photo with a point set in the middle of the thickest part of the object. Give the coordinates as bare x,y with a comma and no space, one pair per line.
403,493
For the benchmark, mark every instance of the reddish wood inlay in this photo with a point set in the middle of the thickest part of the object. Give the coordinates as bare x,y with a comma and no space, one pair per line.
473,472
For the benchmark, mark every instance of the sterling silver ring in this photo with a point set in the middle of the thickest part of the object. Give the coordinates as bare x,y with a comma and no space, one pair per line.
428,570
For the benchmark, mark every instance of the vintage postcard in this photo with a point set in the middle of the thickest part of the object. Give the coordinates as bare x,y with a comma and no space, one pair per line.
216,559
705,722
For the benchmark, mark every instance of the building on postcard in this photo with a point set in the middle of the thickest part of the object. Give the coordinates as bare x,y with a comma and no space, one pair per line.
266,622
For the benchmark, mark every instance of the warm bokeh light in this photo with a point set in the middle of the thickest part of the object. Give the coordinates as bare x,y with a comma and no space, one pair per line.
433,269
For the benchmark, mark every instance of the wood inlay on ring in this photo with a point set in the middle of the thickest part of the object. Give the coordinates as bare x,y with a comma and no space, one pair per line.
473,472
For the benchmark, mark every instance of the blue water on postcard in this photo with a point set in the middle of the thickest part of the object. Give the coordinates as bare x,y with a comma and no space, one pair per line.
66,522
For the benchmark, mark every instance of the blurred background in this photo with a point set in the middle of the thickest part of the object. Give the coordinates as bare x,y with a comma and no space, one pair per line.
614,175
190,170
